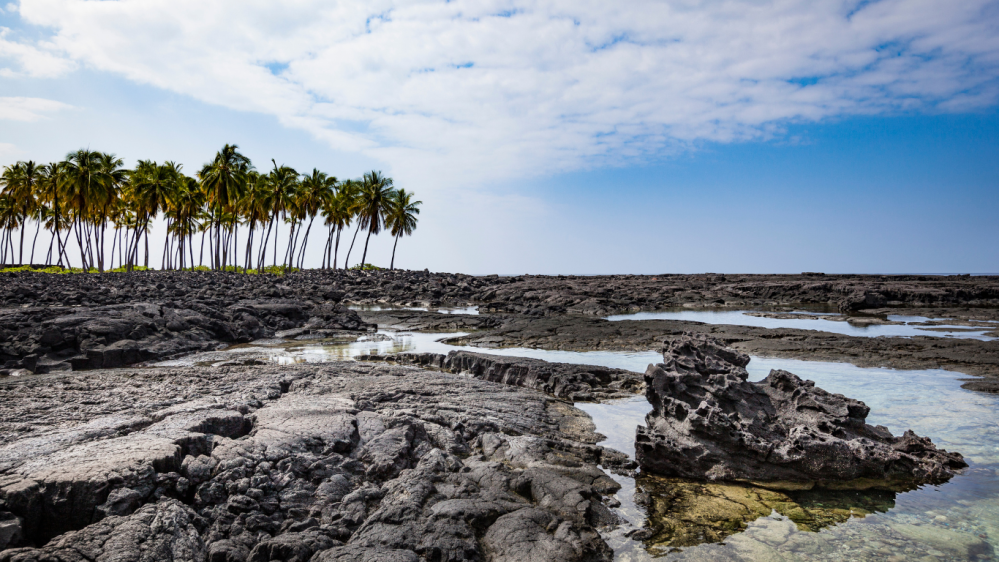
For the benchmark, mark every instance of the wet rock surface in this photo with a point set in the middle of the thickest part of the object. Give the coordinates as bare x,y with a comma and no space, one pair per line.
708,422
579,383
340,461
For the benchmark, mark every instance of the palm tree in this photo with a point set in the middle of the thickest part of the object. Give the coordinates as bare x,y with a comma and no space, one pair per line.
224,181
51,180
400,218
253,211
153,186
376,192
19,181
8,221
316,190
339,212
282,182
83,186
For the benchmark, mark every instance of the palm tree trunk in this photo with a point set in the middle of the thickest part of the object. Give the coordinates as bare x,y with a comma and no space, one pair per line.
364,256
275,242
394,244
48,256
249,249
288,250
21,254
262,257
336,248
166,245
305,242
346,260
38,229
201,256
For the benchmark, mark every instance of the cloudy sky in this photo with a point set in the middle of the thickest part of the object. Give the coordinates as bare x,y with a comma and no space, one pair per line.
560,136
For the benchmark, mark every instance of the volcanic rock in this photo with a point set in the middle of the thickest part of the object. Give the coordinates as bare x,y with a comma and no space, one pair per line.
709,422
580,383
336,462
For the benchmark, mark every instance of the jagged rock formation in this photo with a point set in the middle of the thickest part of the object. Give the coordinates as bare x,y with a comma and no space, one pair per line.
335,462
579,383
709,422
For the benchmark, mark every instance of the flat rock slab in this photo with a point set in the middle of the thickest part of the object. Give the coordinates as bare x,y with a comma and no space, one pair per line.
579,383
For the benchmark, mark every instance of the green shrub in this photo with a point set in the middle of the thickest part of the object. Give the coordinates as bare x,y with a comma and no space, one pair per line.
367,267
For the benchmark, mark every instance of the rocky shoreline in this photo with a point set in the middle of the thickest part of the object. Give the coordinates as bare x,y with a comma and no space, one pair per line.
464,456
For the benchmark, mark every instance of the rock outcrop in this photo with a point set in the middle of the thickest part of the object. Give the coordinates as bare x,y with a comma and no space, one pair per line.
709,422
579,383
43,339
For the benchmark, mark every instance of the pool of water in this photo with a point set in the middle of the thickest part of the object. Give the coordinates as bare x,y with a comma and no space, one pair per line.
473,310
958,520
914,326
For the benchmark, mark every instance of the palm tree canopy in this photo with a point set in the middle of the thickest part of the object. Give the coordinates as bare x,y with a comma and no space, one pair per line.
224,179
401,216
373,200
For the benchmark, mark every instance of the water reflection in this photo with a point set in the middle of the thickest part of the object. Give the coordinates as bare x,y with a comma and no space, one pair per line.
834,323
683,513
473,310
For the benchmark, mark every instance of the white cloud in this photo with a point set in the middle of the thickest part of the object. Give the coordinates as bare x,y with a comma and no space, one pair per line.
18,58
464,91
28,109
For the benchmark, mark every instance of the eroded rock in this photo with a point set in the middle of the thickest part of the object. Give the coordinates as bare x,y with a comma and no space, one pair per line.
709,422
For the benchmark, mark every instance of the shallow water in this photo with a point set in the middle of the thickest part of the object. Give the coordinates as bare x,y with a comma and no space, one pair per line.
815,321
473,310
958,520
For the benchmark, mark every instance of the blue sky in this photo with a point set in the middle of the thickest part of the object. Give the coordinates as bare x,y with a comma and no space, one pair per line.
678,136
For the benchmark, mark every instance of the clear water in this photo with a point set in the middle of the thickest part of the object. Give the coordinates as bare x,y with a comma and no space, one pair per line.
958,520
820,322
473,310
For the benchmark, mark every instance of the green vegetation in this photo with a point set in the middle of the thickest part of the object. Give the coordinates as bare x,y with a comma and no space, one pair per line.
366,267
91,194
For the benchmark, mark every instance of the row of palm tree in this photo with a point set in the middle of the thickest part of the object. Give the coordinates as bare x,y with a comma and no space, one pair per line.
91,194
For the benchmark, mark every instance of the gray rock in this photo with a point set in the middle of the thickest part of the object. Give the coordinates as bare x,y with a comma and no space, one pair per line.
11,530
341,461
585,383
709,422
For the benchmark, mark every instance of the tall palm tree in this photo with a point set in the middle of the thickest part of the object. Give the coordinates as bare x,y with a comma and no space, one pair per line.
253,211
400,218
83,186
111,177
153,186
51,185
282,183
224,180
316,189
376,192
338,212
20,182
